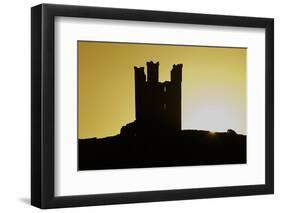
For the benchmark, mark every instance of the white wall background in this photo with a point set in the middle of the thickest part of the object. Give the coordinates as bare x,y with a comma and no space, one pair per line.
15,106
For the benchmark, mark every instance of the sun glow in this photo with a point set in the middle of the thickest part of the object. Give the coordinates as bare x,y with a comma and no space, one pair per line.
213,85
212,133
211,117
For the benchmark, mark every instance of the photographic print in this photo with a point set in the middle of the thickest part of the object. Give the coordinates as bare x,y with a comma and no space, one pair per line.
131,106
160,105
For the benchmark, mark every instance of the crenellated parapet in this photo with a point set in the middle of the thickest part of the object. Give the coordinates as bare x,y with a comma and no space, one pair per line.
176,73
152,71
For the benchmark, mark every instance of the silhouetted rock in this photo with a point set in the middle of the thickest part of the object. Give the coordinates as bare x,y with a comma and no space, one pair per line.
189,147
231,131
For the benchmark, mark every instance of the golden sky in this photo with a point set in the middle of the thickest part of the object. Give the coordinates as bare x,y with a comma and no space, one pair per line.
213,85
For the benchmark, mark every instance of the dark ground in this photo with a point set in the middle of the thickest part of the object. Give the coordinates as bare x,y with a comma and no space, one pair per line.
189,147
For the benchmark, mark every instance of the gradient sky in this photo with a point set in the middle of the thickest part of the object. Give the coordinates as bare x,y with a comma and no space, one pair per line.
213,85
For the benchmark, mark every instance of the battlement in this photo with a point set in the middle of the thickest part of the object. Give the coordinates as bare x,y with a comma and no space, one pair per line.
153,73
176,73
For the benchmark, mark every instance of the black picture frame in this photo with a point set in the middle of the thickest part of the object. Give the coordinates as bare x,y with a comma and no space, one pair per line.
43,111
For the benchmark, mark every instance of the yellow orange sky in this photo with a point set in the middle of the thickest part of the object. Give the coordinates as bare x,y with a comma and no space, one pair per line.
213,85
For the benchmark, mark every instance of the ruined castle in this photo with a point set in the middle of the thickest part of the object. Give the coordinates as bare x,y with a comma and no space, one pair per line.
157,104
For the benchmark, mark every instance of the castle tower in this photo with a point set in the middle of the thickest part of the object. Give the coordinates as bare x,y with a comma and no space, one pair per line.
176,79
152,71
158,104
140,79
176,74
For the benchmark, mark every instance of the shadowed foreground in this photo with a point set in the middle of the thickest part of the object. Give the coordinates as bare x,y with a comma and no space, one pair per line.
189,147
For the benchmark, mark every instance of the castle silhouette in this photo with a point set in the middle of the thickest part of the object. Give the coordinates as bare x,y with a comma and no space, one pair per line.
155,138
158,104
